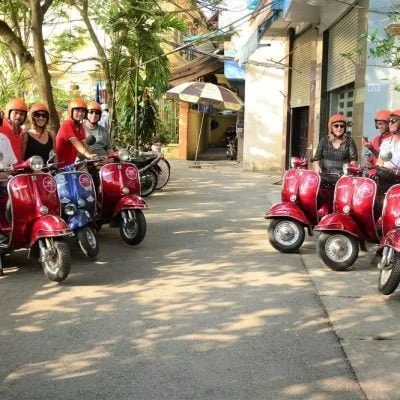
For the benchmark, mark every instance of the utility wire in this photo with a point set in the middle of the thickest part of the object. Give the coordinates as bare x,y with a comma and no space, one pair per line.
208,35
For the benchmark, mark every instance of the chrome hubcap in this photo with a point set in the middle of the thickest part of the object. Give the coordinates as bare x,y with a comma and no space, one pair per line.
384,276
286,233
91,238
338,248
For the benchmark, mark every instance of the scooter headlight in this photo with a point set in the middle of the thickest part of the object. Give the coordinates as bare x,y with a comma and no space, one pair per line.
81,203
44,210
123,155
36,163
346,209
345,169
125,190
70,209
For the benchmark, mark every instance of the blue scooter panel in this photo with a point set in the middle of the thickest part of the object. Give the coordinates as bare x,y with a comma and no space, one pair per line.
77,187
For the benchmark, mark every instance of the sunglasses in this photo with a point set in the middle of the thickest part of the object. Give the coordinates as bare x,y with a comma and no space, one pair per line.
94,112
338,125
39,115
393,120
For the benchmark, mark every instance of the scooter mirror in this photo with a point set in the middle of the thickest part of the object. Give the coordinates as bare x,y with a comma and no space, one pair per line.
52,155
386,156
90,140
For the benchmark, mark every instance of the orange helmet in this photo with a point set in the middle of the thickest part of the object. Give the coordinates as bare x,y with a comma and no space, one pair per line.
38,107
93,105
75,103
16,104
383,115
335,118
395,113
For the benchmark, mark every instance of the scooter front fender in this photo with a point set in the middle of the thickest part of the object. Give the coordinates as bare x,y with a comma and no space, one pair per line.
391,239
289,210
129,202
48,226
81,218
339,222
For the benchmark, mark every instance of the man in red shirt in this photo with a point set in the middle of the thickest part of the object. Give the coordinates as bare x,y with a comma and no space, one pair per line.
16,112
70,139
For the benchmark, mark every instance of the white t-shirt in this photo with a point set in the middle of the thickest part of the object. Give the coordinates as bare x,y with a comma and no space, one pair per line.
391,144
8,157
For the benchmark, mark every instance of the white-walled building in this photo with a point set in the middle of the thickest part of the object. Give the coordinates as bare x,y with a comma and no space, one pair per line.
308,59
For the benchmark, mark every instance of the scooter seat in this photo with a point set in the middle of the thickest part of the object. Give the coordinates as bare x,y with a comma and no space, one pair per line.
142,161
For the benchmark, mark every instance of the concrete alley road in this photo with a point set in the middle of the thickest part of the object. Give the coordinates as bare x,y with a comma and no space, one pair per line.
203,309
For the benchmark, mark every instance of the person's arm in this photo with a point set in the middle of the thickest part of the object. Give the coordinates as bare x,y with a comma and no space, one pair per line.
317,157
353,151
53,138
24,145
82,148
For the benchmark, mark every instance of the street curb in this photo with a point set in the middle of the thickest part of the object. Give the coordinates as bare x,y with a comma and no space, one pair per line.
365,322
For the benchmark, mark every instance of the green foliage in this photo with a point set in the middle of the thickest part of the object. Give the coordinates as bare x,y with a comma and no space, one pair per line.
69,41
387,48
137,62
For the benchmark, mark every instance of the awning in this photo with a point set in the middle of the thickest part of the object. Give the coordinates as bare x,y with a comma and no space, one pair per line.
233,71
195,69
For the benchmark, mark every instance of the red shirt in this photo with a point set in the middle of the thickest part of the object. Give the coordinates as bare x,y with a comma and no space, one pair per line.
65,150
14,138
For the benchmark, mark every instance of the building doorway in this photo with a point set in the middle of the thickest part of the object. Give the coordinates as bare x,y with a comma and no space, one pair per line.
299,132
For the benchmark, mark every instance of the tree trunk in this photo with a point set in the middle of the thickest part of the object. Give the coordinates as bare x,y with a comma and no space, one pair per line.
100,51
43,78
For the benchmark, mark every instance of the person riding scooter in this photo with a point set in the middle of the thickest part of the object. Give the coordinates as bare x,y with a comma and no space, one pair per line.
382,125
12,127
70,139
335,149
103,145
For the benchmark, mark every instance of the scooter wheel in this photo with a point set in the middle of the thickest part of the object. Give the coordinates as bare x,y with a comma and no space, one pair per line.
286,235
164,174
57,268
337,250
389,279
88,242
134,231
148,182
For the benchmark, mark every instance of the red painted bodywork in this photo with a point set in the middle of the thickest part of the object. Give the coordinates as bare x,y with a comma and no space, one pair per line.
353,208
28,193
391,213
303,198
339,222
113,178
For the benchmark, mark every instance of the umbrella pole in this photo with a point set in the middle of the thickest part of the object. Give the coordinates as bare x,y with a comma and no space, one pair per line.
195,164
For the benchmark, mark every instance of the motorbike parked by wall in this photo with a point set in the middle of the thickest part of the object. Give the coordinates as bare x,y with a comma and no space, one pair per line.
232,145
148,170
30,218
118,194
78,206
305,198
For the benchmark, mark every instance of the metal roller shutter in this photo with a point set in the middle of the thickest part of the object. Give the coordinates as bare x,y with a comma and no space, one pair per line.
343,38
301,71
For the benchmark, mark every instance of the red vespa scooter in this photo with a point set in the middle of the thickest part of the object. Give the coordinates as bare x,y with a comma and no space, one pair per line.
389,266
119,200
355,220
35,220
304,201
